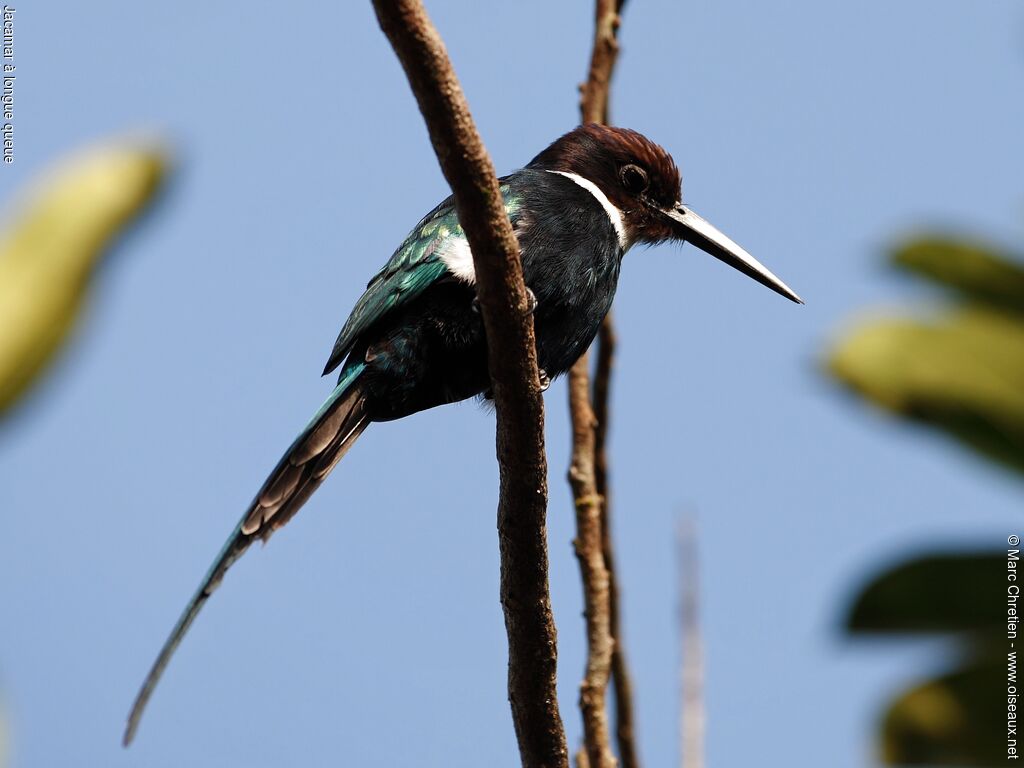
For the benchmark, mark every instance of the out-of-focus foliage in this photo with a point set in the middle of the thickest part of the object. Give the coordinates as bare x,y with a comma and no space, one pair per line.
977,271
960,370
959,718
950,592
963,370
51,241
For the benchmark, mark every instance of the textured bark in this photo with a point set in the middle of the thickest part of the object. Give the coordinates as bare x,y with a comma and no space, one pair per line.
589,547
595,91
512,359
588,478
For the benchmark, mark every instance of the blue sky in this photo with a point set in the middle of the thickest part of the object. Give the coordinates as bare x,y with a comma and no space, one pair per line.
369,631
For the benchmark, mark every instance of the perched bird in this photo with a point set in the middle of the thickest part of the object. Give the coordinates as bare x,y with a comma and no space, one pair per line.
415,338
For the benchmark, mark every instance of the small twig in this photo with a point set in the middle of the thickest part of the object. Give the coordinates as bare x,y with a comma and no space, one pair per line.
691,711
588,472
595,91
622,682
590,553
512,359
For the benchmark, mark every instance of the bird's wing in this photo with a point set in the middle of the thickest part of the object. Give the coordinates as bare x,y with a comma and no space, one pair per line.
416,265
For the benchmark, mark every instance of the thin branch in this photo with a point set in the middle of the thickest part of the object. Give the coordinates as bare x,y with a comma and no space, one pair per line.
622,681
595,91
691,711
512,359
590,553
593,542
607,342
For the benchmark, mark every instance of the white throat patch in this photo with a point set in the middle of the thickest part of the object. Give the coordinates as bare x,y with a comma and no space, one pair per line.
455,254
614,214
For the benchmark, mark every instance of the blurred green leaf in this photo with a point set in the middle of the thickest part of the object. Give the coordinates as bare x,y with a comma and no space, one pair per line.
958,719
50,247
977,271
935,593
963,373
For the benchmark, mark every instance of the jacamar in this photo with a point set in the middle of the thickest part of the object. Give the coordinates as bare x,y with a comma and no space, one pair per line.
415,338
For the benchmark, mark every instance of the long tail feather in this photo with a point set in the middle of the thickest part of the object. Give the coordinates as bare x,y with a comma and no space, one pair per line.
311,457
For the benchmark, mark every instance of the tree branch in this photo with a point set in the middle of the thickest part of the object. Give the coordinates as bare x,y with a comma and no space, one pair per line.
512,359
622,681
588,478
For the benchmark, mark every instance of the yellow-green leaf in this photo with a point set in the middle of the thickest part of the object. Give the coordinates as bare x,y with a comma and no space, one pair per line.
963,372
50,245
978,271
958,719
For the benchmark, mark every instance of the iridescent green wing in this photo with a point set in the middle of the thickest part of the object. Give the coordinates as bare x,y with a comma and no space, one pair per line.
412,268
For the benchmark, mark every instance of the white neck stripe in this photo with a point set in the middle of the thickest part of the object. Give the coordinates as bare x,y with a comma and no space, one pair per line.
614,214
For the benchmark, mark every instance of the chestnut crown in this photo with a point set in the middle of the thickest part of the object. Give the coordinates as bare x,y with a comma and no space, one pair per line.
638,176
641,183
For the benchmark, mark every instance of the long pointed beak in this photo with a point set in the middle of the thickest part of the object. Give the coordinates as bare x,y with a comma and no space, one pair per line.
693,229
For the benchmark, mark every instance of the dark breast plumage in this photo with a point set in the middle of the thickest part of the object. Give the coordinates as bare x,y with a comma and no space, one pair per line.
571,262
416,328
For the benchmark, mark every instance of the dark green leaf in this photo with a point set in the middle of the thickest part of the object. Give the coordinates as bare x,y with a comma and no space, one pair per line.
935,593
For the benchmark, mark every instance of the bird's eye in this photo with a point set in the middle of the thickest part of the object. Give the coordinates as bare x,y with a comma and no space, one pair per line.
634,179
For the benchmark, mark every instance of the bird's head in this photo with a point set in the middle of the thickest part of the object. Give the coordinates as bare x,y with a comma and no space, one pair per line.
641,181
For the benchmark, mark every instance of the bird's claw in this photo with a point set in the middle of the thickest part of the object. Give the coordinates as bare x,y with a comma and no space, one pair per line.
531,301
